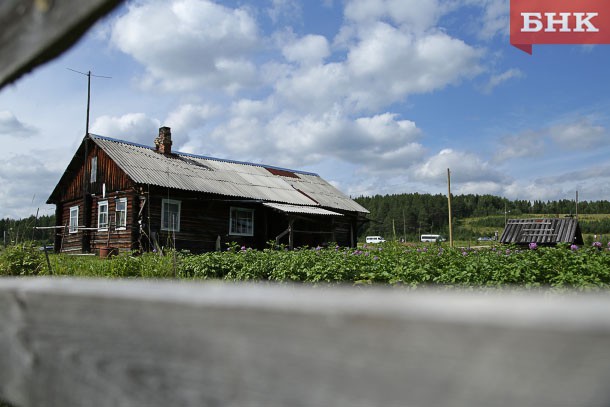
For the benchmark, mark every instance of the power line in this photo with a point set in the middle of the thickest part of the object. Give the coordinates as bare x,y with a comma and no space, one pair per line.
88,75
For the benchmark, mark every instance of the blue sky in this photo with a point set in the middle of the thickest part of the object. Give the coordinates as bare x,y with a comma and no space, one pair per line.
376,96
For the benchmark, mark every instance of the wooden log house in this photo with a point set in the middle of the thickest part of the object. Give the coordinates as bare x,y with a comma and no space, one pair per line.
126,196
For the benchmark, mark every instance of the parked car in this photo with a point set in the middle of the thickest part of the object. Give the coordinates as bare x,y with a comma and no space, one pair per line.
375,239
484,239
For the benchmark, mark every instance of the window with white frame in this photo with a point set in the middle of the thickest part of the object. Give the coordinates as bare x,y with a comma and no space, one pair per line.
241,222
73,226
93,175
120,213
170,215
102,215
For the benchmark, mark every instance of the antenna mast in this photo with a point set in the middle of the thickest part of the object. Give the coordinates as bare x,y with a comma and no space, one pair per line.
86,198
88,102
88,75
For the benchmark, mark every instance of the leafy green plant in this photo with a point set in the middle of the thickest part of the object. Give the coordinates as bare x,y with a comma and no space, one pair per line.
21,260
533,267
421,265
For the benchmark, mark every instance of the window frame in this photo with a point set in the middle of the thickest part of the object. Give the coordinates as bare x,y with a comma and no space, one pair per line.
73,228
235,209
120,225
101,227
165,202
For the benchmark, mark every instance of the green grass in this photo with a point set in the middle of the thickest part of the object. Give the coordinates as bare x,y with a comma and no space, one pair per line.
148,265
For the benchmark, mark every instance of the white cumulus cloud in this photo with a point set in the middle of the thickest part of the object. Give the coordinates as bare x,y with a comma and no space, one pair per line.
36,181
190,116
579,135
498,79
135,127
526,144
416,15
11,126
464,167
309,50
189,43
383,65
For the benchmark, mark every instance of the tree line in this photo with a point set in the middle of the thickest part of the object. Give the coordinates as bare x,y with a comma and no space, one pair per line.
20,230
407,216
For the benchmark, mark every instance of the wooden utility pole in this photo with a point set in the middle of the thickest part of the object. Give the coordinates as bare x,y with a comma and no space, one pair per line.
404,226
86,247
449,203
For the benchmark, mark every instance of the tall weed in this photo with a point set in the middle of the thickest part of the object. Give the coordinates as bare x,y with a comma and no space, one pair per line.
21,260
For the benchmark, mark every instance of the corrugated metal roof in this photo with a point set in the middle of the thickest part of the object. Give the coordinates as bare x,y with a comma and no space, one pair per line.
542,231
224,177
307,210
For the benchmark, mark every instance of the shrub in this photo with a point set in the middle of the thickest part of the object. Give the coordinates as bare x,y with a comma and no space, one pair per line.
21,260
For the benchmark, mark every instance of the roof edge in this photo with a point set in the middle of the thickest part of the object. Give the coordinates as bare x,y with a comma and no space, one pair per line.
203,157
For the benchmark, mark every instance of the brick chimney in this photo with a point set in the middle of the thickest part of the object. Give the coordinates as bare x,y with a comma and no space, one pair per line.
163,143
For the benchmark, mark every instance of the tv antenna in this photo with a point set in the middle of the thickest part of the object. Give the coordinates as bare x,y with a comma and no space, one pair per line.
87,202
88,75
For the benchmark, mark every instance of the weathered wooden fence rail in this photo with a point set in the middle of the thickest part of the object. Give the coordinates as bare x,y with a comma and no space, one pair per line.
66,342
36,31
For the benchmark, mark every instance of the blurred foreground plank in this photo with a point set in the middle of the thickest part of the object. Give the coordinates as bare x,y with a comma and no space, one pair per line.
66,342
36,31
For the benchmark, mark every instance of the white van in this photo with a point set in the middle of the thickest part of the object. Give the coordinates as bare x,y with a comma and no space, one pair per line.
432,238
375,239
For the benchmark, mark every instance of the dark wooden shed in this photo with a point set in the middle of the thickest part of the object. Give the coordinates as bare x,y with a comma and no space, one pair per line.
542,231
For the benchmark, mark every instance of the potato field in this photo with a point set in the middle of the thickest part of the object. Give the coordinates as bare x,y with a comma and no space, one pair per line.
562,267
